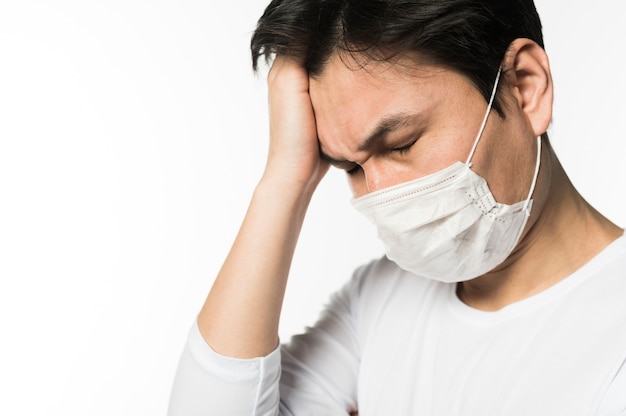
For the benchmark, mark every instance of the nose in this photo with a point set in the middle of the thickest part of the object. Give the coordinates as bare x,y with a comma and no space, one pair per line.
372,177
379,175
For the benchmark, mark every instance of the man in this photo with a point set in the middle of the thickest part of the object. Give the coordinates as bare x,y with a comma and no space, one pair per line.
502,289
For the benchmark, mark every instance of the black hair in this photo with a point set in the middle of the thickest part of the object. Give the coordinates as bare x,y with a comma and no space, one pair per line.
469,36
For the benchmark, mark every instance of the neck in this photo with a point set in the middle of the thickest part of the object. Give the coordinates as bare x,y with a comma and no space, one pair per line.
563,234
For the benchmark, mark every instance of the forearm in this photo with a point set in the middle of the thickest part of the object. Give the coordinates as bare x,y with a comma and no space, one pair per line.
241,314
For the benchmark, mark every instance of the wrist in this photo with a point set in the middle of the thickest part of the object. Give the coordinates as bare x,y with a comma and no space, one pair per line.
287,183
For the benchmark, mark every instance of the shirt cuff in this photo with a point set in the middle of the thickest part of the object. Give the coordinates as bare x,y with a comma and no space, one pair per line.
230,368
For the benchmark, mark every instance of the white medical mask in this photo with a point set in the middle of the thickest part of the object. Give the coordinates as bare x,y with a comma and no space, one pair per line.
447,226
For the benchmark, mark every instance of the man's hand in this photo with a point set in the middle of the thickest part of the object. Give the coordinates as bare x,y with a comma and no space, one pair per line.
294,147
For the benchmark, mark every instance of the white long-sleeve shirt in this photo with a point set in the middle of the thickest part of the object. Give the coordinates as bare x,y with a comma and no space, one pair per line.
392,343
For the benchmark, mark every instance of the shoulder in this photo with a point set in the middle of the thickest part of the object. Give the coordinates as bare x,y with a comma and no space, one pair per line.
606,271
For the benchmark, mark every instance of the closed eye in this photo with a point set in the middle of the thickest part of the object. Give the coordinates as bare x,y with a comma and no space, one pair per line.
404,149
354,170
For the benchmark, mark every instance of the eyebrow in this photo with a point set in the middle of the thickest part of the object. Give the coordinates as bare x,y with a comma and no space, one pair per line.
386,126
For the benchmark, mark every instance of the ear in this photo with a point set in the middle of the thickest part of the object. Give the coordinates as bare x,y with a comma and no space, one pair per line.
528,74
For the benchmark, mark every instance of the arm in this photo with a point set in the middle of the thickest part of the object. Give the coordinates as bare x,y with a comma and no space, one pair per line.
240,316
320,369
230,364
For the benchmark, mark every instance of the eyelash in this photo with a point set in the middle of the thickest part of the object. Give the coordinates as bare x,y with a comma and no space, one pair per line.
400,150
353,171
404,149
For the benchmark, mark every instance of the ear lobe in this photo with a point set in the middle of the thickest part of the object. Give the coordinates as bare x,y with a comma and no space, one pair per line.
528,73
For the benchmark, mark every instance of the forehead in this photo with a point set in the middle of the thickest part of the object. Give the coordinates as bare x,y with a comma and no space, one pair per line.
346,78
350,97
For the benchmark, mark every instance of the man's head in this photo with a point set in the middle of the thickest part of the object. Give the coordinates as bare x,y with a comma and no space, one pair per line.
469,36
420,72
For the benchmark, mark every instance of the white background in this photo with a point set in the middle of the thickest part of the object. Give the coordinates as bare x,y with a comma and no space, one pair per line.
132,133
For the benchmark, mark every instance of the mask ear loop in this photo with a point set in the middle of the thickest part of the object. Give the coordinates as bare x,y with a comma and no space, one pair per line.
534,182
480,133
482,126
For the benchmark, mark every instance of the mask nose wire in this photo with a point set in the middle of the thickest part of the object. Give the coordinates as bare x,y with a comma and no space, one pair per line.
484,123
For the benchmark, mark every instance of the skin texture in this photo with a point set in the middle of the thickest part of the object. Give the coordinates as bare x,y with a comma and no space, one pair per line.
441,114
437,114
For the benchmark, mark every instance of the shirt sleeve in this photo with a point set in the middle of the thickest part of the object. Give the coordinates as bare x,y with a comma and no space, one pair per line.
614,401
315,373
208,383
320,368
